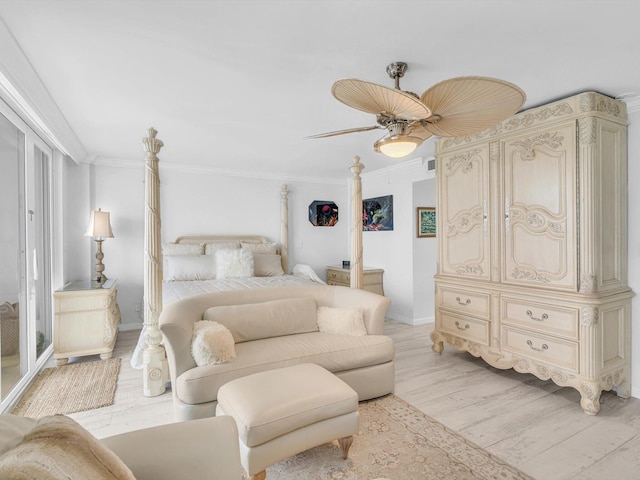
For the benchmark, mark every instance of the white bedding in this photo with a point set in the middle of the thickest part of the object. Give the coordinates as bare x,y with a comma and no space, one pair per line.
173,291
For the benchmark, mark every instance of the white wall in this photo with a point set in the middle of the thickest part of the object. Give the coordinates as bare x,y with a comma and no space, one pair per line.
205,202
634,245
394,251
425,257
76,208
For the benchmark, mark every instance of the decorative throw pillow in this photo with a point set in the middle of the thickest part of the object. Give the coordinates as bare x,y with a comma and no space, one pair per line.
267,265
211,247
181,249
341,320
212,343
269,248
188,267
232,263
58,448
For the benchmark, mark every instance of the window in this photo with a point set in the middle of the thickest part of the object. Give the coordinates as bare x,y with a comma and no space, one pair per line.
25,253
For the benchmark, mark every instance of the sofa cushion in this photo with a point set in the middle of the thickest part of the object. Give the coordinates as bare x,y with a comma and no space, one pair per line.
253,321
336,353
212,343
58,448
341,320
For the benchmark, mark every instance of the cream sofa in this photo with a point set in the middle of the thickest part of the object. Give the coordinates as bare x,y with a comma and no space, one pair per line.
58,447
276,337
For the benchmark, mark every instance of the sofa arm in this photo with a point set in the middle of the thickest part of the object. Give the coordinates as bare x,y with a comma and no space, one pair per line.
205,448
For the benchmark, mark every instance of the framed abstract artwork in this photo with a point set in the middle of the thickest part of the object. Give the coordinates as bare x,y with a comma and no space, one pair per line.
377,214
323,213
426,222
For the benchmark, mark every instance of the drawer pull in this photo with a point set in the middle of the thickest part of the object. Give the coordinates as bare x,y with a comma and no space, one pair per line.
541,319
542,349
467,302
466,327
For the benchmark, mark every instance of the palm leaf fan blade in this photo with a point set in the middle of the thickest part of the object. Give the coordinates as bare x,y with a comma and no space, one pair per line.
468,105
379,100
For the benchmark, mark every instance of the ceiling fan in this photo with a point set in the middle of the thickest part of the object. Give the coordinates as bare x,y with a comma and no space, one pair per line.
452,108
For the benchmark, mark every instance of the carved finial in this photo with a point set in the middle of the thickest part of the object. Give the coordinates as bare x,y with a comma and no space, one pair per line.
356,167
151,144
284,191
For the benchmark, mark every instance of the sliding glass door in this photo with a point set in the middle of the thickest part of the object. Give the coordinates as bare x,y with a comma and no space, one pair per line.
25,246
12,240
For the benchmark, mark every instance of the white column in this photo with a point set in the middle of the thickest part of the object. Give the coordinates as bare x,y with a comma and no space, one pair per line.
154,359
356,224
284,228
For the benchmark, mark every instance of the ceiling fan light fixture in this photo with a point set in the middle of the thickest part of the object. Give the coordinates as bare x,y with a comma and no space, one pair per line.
397,146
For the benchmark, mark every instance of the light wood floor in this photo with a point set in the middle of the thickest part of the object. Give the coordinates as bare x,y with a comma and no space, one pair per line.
534,425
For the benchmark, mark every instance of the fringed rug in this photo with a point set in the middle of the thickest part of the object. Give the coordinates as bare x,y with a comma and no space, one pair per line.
70,388
398,442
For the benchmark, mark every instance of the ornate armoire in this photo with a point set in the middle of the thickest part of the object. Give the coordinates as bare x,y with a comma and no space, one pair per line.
532,232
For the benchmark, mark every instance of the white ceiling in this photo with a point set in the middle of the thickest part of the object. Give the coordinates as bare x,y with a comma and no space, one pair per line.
239,84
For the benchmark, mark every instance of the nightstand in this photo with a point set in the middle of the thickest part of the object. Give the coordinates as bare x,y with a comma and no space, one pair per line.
86,320
371,278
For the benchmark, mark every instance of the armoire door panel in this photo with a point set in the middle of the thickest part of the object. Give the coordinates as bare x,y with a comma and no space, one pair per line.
464,193
540,209
537,252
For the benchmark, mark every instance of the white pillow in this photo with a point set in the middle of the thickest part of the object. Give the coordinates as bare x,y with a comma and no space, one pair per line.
182,249
212,343
341,320
212,247
269,248
188,267
267,265
234,263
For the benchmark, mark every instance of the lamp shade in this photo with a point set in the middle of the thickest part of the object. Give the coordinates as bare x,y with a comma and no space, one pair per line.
99,225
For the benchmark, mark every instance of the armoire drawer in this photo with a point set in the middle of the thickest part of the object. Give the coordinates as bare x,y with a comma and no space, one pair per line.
465,302
468,328
554,351
541,317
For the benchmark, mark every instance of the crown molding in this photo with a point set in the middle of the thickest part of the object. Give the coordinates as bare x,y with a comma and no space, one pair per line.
201,169
22,89
417,167
633,104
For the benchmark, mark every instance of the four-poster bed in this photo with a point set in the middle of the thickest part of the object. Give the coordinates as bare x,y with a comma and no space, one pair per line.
154,363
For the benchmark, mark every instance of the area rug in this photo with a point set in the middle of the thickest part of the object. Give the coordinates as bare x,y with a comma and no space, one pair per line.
398,442
70,388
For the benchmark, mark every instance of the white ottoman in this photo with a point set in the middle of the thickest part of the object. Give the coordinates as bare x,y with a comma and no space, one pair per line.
286,411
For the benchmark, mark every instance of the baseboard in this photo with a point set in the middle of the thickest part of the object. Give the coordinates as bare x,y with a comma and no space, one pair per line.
410,321
123,327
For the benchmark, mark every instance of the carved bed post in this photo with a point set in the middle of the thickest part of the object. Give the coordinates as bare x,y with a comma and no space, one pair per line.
154,360
356,224
284,228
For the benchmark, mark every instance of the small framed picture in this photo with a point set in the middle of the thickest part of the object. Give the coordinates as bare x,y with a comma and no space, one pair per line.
426,222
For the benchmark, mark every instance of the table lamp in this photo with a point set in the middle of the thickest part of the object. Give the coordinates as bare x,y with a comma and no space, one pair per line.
100,229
